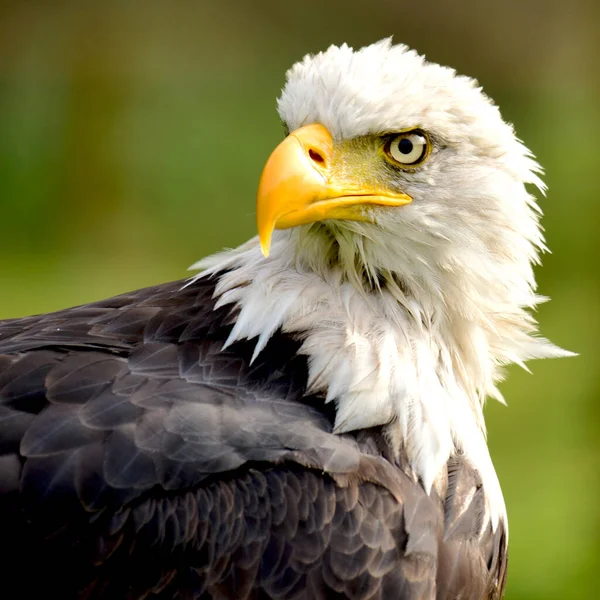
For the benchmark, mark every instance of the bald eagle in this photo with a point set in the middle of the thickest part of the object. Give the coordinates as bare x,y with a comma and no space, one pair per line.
303,418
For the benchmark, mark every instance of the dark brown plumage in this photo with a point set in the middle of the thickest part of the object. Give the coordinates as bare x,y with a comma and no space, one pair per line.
140,460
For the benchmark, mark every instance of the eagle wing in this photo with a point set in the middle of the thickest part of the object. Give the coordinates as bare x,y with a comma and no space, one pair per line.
141,459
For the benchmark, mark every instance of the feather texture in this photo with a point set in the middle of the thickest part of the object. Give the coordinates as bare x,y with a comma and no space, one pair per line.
140,459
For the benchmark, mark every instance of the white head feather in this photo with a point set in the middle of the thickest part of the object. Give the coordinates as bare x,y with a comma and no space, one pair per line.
449,277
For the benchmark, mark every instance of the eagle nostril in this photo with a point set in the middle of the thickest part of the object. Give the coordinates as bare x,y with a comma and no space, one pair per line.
316,156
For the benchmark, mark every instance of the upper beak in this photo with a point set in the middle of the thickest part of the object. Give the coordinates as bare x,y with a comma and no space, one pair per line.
297,187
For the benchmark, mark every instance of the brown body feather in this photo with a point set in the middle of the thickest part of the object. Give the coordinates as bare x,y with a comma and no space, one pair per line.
140,460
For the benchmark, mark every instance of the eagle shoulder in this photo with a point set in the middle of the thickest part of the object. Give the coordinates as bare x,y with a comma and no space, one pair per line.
137,457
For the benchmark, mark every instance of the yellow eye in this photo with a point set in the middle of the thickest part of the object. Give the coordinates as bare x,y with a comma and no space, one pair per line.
409,148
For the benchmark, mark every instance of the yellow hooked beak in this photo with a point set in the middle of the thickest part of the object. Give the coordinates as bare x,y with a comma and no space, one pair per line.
298,187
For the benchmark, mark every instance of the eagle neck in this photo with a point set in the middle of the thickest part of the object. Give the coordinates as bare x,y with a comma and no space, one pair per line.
382,363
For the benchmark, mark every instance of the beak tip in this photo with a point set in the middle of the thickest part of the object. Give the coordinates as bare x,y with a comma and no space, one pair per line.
265,247
265,233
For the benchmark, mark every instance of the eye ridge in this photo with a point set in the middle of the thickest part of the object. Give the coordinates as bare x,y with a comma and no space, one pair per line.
408,148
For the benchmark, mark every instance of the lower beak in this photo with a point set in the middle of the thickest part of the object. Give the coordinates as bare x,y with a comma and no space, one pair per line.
297,187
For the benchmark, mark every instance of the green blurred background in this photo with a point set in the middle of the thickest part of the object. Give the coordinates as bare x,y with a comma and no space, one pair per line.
132,136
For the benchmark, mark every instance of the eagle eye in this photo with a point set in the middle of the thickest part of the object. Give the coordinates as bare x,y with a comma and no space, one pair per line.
408,149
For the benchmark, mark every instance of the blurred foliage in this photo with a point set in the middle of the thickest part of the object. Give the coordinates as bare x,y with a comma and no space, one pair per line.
132,136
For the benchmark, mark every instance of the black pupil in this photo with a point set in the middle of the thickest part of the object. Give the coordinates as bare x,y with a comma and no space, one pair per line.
405,146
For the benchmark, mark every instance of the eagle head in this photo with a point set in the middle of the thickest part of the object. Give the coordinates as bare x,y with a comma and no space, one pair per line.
400,173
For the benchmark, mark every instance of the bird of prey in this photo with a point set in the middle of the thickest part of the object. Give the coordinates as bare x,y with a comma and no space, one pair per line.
303,418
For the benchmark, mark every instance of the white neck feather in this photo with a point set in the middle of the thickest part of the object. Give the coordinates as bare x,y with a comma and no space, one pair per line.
386,357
